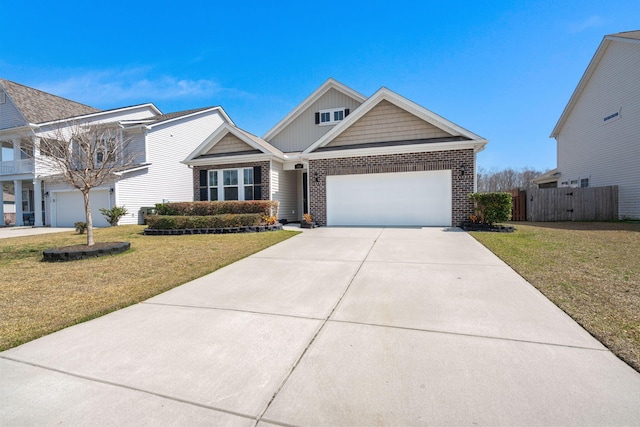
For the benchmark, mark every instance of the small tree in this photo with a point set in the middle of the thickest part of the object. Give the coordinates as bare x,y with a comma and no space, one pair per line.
85,156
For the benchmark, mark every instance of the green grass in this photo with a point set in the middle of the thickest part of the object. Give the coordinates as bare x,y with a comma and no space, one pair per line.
37,298
591,270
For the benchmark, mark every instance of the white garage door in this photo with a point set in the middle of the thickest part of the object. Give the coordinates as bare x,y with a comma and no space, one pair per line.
390,199
69,208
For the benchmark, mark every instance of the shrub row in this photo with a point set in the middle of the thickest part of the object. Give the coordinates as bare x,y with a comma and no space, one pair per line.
175,222
262,207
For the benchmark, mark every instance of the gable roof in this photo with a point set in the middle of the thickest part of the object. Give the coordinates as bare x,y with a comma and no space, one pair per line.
317,94
384,94
626,37
163,118
254,141
37,106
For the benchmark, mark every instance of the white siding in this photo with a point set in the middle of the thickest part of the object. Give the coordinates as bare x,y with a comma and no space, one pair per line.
166,178
302,132
607,153
9,115
284,188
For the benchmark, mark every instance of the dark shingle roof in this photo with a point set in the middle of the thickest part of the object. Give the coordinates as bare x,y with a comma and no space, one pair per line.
38,107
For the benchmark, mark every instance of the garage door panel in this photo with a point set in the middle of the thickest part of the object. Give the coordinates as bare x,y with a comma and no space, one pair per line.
69,208
401,199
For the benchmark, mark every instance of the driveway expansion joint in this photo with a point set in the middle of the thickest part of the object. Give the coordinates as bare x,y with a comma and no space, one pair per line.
124,386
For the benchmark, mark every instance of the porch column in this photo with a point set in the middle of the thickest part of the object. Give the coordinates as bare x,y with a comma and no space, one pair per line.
16,150
17,189
37,201
1,198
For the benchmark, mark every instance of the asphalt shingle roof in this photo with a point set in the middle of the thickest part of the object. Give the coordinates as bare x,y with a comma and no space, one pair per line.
40,107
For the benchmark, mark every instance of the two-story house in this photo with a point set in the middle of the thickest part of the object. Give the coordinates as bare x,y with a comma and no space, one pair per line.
598,133
159,140
347,160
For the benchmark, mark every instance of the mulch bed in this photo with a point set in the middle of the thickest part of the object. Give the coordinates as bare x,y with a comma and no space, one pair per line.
77,252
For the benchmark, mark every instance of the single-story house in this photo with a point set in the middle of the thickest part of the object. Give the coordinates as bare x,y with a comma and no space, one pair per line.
348,160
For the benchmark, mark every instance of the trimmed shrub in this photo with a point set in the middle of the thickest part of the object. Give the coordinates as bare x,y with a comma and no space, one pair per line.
492,207
114,214
175,222
262,207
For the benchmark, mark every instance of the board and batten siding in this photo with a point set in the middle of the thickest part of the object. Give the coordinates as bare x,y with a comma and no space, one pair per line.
166,178
387,122
607,152
284,189
303,131
230,144
10,116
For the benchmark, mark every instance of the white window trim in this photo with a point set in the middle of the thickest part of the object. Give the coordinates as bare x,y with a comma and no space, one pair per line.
221,186
331,116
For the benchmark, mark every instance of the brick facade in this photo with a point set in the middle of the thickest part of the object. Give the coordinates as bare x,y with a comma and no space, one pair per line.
454,160
265,171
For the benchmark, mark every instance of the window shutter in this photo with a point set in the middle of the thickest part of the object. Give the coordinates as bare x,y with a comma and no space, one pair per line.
204,176
204,194
346,112
257,175
257,192
317,118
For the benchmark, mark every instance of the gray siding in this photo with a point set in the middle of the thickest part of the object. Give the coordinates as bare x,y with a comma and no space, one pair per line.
607,153
387,122
302,132
284,189
9,115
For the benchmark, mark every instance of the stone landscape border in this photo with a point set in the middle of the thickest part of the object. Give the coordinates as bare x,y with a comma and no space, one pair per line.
74,253
227,230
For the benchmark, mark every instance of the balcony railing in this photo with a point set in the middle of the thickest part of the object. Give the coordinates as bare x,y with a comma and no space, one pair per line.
12,167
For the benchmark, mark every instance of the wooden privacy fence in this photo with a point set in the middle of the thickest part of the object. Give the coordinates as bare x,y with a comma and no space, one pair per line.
518,205
572,204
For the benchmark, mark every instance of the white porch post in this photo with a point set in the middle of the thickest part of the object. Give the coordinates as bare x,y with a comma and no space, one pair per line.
37,201
1,199
17,189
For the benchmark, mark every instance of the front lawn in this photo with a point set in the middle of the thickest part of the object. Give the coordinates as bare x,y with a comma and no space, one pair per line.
37,298
591,270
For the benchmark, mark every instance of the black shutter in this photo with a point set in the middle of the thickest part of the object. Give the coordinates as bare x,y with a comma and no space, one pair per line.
257,175
204,194
317,118
204,175
257,192
346,112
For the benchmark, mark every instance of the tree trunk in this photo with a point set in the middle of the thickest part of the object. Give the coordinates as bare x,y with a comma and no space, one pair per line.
87,212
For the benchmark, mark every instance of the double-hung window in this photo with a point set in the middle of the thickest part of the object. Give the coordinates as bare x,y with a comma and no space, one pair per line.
230,184
213,185
248,183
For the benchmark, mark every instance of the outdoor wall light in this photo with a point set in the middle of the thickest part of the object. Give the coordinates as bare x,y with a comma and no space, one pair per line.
463,169
111,191
315,176
46,194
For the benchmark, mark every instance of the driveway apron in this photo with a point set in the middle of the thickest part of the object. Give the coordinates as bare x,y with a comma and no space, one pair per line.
336,326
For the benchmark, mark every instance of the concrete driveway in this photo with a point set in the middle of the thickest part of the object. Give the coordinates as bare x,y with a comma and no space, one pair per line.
336,326
6,232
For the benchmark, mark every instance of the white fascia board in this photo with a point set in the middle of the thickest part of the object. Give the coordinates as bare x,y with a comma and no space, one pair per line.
306,103
384,94
18,131
217,135
584,80
242,158
477,146
222,113
136,169
100,113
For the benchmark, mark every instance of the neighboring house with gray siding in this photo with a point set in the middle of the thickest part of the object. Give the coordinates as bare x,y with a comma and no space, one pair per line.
598,133
159,140
347,160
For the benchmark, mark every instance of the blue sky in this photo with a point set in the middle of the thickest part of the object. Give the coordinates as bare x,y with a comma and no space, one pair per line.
502,69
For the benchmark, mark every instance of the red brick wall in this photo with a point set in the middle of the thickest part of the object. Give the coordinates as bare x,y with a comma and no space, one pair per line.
265,170
462,185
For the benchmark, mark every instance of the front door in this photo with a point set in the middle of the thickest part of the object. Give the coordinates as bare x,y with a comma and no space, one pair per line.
305,193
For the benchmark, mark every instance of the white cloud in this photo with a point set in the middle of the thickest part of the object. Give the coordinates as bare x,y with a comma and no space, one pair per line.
109,88
591,22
